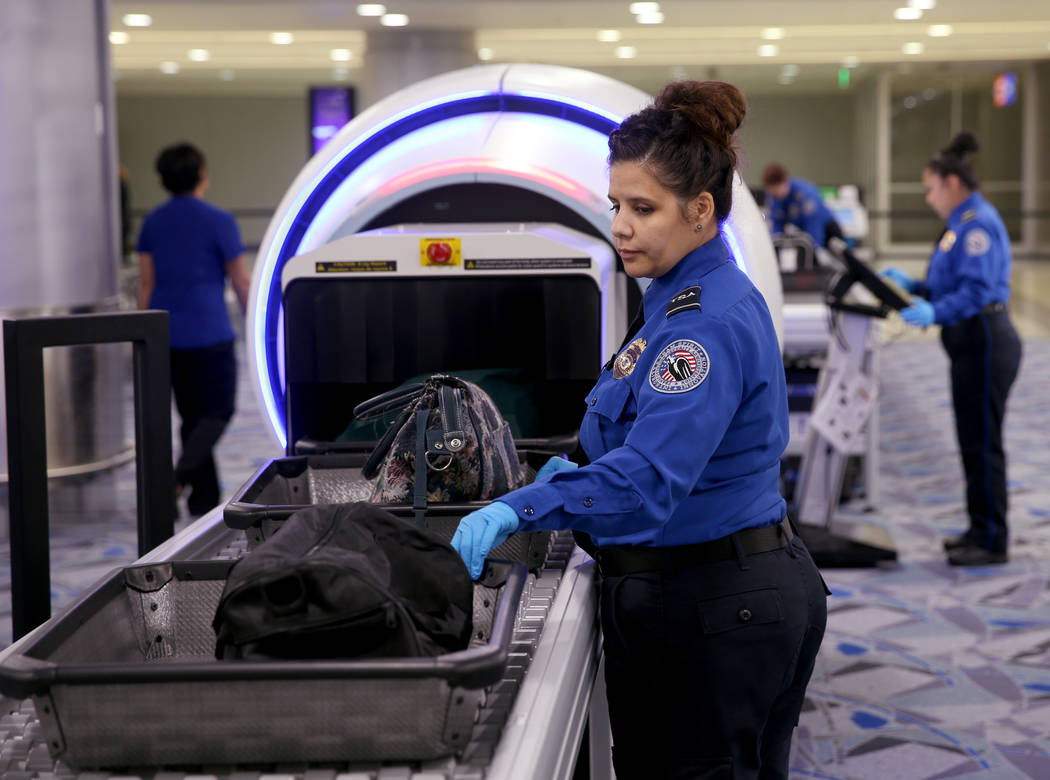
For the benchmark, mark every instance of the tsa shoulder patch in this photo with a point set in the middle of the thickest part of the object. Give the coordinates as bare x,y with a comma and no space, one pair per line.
680,366
977,242
689,298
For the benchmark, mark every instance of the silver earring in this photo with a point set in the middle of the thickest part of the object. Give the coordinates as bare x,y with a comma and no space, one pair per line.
699,227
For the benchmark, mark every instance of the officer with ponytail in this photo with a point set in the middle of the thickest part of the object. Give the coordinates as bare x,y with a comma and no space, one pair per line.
712,610
966,292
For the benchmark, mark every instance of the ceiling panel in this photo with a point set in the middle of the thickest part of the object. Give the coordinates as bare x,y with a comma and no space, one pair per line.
696,39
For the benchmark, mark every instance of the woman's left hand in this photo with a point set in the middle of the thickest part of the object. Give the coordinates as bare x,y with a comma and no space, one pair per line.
919,314
482,530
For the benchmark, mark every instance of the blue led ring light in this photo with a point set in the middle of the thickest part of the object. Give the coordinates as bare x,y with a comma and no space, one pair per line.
491,103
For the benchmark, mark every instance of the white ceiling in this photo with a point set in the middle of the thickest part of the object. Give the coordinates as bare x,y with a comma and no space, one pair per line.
698,39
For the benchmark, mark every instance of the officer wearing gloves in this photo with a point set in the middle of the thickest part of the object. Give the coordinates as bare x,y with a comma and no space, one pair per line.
794,201
711,608
966,290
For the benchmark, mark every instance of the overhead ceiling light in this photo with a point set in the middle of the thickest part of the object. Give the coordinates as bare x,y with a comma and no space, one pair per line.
911,101
169,68
851,61
371,9
340,74
790,70
650,17
485,54
626,52
609,36
939,30
913,47
281,38
768,50
907,14
773,34
340,55
923,5
138,20
118,37
393,20
643,8
785,79
199,55
929,93
227,75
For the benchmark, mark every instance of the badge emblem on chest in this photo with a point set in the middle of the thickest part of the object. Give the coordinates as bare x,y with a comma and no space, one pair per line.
947,241
626,360
680,366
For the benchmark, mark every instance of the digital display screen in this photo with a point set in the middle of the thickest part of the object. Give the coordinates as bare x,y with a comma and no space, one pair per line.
1004,89
330,109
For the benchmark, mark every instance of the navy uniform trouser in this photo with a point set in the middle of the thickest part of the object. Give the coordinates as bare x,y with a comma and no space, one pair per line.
204,383
707,666
985,353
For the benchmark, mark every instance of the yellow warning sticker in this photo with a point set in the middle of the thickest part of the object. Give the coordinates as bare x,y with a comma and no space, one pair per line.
440,251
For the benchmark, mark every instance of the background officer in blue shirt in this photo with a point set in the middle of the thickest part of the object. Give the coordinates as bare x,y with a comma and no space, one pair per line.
187,247
794,201
712,611
966,290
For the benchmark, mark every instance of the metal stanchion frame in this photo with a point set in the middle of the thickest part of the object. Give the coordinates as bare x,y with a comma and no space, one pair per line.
24,342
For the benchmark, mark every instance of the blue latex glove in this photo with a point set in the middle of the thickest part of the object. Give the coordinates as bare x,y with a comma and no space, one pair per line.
899,278
919,314
553,466
480,531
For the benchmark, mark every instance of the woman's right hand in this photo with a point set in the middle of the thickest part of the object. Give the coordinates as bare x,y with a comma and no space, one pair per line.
899,278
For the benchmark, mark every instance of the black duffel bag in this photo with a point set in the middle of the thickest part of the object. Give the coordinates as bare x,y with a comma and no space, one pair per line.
346,581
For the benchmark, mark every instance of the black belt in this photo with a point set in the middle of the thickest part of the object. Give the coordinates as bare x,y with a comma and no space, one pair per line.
991,308
618,561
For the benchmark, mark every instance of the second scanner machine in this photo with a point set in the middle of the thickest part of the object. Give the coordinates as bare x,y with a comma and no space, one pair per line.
463,224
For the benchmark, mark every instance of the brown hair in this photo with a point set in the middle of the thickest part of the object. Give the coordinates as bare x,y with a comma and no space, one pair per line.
686,140
954,159
774,174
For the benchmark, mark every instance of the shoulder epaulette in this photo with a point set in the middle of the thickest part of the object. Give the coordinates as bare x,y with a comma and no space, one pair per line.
968,215
689,298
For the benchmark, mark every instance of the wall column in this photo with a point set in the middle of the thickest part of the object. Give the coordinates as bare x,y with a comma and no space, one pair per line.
399,57
60,247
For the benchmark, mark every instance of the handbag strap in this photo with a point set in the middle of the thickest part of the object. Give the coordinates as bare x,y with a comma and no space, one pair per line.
379,405
371,467
419,502
452,431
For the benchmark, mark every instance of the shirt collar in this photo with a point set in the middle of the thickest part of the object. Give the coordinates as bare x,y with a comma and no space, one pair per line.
972,201
685,273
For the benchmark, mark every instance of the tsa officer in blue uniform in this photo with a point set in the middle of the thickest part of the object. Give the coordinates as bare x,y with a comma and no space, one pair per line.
712,610
794,201
966,291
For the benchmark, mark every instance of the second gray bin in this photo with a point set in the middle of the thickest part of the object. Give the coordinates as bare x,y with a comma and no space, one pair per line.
287,484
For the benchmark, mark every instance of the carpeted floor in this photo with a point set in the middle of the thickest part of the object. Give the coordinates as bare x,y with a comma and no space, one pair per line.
925,672
929,671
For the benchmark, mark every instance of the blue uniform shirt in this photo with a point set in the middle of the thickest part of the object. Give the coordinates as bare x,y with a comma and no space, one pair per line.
802,207
685,432
190,242
970,267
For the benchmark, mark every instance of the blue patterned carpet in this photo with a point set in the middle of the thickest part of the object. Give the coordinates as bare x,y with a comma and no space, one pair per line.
926,671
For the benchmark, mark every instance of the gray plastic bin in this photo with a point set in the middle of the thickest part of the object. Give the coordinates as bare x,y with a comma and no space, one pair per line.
127,677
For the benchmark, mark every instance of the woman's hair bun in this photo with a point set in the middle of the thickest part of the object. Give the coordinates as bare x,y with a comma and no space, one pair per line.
715,108
963,144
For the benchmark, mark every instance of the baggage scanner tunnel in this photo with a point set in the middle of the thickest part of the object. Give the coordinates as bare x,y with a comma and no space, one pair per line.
494,143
